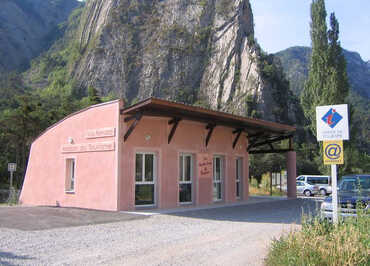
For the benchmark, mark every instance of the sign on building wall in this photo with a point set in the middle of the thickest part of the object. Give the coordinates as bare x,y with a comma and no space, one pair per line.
100,132
333,152
205,165
88,147
332,122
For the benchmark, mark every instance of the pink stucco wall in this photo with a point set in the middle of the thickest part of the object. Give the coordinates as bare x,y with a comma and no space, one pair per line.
96,174
151,135
105,179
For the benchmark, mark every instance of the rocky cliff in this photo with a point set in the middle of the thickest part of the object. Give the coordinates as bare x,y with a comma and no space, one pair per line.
28,27
198,52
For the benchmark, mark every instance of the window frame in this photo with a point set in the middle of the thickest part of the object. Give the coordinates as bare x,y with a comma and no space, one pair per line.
238,177
181,179
219,181
70,176
143,181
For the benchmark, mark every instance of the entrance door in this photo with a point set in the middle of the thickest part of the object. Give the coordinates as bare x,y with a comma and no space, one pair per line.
217,178
145,179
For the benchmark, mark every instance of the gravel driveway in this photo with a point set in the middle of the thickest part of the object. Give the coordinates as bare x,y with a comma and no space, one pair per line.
236,235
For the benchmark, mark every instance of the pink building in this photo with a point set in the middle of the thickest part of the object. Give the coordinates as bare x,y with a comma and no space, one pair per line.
154,154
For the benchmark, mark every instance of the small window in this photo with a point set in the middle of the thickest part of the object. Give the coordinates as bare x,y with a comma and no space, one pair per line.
70,175
300,184
217,178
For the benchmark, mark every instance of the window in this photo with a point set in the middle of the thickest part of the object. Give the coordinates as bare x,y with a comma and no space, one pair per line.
145,170
217,178
70,175
238,174
312,180
185,178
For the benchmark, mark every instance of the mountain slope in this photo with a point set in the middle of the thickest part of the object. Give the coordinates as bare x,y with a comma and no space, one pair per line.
28,27
296,60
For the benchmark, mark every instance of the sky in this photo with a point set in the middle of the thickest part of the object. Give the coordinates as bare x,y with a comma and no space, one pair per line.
280,24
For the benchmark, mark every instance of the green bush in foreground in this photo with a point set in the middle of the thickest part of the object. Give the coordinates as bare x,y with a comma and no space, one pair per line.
321,243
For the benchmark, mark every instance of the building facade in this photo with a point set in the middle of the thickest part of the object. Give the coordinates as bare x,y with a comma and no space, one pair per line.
155,154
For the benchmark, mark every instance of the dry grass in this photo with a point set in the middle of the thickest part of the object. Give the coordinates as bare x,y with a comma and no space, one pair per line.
321,243
263,192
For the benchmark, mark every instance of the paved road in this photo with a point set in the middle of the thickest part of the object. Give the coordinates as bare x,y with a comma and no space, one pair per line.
236,235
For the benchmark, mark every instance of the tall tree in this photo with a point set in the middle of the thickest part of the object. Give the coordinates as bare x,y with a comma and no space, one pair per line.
327,82
337,82
316,83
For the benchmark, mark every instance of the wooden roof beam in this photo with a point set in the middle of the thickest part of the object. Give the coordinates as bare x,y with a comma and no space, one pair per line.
210,128
137,118
175,121
269,151
266,142
238,132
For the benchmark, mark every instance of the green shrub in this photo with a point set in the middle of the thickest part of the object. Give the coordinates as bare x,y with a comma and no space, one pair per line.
254,182
265,181
321,243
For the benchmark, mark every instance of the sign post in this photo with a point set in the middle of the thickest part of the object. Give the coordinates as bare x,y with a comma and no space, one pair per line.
12,167
332,129
333,155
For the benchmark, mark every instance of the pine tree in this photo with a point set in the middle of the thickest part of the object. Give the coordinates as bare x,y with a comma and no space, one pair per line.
93,96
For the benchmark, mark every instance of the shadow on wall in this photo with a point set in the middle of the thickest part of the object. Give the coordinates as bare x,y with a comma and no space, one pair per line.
7,257
282,211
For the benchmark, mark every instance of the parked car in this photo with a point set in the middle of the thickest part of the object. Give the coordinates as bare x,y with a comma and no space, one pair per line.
352,191
306,189
322,181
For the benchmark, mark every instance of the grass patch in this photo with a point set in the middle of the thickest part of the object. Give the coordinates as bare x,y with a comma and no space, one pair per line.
322,243
263,192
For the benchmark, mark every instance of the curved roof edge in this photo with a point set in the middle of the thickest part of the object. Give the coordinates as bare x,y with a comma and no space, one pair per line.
73,114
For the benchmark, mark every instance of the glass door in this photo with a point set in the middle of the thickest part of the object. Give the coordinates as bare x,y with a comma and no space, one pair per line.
145,178
217,178
185,178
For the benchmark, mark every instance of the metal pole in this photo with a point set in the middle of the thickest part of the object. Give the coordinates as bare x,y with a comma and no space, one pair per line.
270,183
11,179
280,180
334,193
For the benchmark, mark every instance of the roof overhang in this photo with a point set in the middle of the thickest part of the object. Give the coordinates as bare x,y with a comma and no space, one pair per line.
259,132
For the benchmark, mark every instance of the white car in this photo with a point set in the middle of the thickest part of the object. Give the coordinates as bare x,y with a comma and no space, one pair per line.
307,189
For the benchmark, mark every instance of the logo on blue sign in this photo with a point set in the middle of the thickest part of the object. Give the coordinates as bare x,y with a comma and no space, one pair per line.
332,118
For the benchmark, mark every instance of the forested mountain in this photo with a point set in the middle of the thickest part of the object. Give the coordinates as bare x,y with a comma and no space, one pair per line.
296,61
29,27
197,52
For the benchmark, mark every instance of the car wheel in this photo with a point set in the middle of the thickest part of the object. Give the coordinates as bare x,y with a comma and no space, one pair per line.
307,193
323,192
